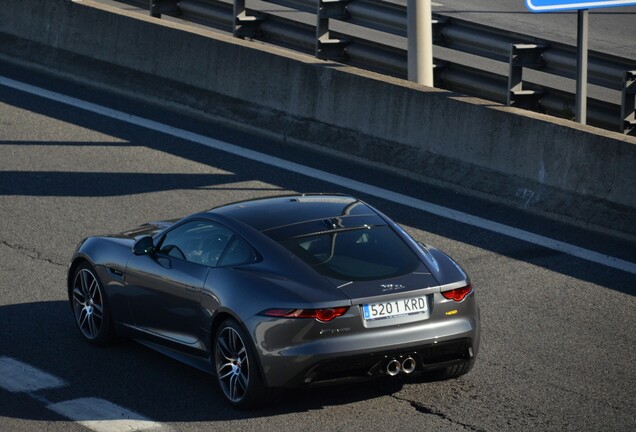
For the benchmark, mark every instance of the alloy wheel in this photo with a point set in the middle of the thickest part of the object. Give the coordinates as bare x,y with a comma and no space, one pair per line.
232,364
88,303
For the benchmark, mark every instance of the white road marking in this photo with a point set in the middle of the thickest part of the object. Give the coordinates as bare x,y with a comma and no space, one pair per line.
395,197
16,377
96,414
103,416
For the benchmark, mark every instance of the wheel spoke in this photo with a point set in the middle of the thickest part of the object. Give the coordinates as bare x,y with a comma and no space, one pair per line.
232,341
79,297
81,319
98,311
91,326
98,297
93,289
243,380
242,355
225,350
233,386
84,281
225,375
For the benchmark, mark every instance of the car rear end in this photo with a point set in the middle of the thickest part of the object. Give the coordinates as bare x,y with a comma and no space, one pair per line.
352,347
410,308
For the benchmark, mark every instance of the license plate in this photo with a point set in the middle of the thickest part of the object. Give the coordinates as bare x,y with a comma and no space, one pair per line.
394,308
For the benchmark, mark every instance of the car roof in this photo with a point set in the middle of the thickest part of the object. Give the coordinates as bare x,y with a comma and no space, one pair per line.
280,211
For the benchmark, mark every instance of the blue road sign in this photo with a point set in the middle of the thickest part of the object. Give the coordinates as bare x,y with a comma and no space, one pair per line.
561,5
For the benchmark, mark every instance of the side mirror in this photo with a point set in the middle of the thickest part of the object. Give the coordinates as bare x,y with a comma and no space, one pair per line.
144,246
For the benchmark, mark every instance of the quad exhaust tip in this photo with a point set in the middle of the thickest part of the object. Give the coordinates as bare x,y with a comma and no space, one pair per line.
408,365
394,366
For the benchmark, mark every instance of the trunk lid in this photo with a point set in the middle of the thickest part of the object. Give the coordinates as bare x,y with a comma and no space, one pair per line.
419,282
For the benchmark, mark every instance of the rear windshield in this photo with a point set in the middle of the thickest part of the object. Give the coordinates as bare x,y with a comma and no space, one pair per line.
358,255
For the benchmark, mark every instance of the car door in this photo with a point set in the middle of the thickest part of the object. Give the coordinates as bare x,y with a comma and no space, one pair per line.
164,288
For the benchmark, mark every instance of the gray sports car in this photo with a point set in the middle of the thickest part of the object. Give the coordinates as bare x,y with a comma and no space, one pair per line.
279,292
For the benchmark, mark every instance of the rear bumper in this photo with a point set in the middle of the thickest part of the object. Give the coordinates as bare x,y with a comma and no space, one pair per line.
364,356
425,357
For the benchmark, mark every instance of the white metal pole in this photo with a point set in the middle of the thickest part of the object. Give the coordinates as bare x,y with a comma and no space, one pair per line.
581,72
420,41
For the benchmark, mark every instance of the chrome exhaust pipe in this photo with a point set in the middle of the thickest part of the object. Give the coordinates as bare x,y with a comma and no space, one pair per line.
393,367
408,365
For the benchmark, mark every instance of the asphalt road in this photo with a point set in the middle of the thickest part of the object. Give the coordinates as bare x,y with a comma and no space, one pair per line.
558,332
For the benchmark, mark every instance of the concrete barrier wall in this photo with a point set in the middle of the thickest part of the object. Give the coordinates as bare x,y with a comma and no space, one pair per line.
523,158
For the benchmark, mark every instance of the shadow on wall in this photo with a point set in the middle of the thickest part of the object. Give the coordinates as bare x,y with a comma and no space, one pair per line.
96,184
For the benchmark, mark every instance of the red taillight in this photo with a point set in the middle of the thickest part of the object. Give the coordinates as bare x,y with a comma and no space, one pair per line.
458,294
323,315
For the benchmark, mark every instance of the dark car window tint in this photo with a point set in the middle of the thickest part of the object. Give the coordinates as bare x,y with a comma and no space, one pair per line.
364,254
238,252
201,242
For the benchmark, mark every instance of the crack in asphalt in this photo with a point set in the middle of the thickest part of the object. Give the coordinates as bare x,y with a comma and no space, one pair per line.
33,254
419,407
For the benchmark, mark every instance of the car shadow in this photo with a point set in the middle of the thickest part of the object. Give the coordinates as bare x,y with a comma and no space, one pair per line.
136,378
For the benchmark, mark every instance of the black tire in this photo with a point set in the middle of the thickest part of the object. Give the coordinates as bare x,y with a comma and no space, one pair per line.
237,370
90,306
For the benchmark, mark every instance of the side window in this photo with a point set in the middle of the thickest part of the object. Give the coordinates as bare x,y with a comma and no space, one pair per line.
200,242
238,252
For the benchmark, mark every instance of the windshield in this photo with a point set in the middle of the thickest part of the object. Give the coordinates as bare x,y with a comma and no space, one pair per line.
371,252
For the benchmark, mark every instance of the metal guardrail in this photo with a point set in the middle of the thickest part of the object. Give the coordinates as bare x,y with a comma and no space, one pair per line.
517,50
